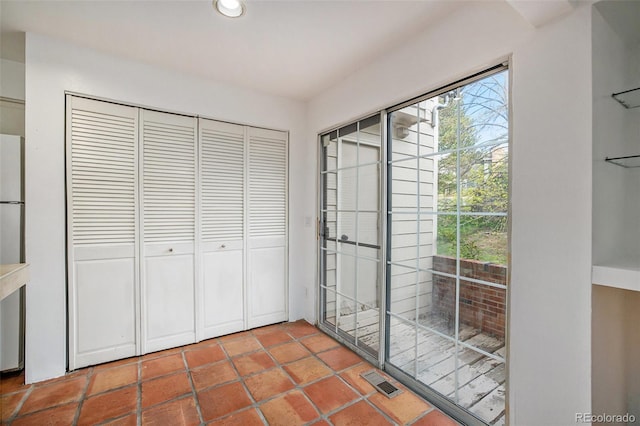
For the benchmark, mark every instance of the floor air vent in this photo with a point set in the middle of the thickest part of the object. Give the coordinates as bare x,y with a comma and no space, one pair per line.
379,382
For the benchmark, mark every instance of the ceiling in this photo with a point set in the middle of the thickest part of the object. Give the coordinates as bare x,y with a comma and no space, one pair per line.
293,49
623,17
289,48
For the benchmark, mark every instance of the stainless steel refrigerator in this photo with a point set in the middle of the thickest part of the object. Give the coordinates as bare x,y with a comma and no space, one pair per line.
12,248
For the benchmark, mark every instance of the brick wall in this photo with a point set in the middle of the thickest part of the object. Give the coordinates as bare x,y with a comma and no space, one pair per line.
481,306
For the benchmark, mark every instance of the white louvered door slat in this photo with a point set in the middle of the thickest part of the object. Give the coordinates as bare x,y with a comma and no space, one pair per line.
267,226
168,173
222,157
102,142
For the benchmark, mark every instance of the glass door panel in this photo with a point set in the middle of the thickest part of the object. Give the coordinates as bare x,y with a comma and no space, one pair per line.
351,234
447,227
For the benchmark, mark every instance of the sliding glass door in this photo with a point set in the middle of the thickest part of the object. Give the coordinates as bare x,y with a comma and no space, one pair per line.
414,255
447,228
351,265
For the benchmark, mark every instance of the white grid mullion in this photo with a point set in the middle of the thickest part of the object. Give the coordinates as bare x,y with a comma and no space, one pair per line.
458,204
338,232
446,151
339,169
349,211
418,208
463,278
347,297
329,251
483,352
357,264
436,213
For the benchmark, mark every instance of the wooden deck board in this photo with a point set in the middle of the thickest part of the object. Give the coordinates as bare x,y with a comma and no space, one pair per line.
445,368
367,326
466,374
491,406
475,390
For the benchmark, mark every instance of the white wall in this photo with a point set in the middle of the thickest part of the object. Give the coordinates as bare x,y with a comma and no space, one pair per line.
11,79
53,67
608,316
551,242
550,306
11,87
632,368
616,132
631,138
616,222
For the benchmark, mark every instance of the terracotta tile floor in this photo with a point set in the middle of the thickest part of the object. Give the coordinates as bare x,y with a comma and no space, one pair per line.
284,374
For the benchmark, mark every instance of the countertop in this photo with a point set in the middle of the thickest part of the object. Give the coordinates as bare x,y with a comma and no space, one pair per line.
12,277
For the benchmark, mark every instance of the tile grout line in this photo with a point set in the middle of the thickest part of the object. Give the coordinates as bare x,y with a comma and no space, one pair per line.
362,397
104,392
43,384
299,386
194,393
280,366
423,415
21,403
129,385
254,404
380,411
139,393
83,395
336,373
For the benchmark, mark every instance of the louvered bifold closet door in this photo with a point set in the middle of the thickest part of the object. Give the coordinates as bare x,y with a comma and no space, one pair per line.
267,227
168,173
102,141
222,158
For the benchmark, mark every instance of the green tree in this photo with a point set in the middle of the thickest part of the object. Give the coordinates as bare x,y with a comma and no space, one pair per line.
473,128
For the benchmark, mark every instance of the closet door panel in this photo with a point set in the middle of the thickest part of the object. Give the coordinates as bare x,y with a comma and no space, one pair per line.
168,211
223,292
105,284
268,285
222,195
170,301
267,217
102,187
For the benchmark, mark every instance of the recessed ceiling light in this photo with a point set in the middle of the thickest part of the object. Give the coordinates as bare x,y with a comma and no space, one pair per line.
230,8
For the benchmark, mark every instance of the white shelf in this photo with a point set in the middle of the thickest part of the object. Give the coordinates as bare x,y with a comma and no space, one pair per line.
628,162
622,274
629,98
